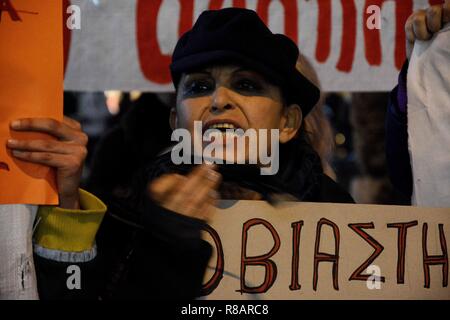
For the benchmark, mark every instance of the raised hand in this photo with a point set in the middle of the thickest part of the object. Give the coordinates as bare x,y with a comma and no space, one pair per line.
66,153
422,24
194,195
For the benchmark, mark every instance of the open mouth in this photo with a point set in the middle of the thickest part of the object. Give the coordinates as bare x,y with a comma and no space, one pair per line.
221,125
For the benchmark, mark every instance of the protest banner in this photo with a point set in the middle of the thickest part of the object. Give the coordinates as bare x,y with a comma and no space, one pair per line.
31,85
327,251
355,45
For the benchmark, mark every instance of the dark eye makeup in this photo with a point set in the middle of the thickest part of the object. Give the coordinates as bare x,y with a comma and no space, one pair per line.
198,86
242,81
246,84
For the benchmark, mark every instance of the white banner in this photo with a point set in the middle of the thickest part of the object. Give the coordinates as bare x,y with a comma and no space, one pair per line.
126,44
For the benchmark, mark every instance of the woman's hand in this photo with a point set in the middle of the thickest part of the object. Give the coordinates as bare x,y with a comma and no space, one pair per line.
422,24
194,195
66,154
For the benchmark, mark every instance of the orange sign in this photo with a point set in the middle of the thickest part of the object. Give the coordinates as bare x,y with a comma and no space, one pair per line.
31,85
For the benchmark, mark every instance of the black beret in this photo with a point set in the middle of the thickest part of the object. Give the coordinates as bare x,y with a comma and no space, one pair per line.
240,36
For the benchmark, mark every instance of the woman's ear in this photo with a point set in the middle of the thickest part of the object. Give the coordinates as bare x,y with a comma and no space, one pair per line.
173,119
291,122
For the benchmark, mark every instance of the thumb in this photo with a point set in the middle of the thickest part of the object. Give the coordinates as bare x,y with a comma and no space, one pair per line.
446,12
163,187
72,123
409,49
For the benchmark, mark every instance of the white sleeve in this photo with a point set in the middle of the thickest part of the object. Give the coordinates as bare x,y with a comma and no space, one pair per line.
17,272
429,120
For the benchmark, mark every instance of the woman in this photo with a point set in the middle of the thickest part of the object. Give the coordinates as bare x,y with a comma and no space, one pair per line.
219,83
149,243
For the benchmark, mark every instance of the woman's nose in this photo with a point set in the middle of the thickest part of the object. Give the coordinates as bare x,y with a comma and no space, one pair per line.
222,100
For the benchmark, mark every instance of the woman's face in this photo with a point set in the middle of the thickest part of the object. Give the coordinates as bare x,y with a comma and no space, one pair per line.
233,97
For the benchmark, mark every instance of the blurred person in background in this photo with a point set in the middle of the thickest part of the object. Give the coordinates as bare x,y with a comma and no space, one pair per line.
317,126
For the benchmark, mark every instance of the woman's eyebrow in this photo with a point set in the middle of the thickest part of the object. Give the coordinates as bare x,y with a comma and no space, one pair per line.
243,69
199,72
251,72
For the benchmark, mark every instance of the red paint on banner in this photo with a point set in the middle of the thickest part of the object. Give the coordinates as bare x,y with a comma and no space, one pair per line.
432,260
290,16
403,10
326,257
154,64
323,47
348,46
212,283
218,4
186,16
401,247
262,260
372,40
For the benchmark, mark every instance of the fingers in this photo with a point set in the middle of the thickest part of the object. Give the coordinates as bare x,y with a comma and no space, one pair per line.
434,18
194,195
69,151
72,123
199,190
165,186
420,26
60,130
446,12
66,154
51,146
201,178
207,208
424,23
409,30
49,152
410,37
50,159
